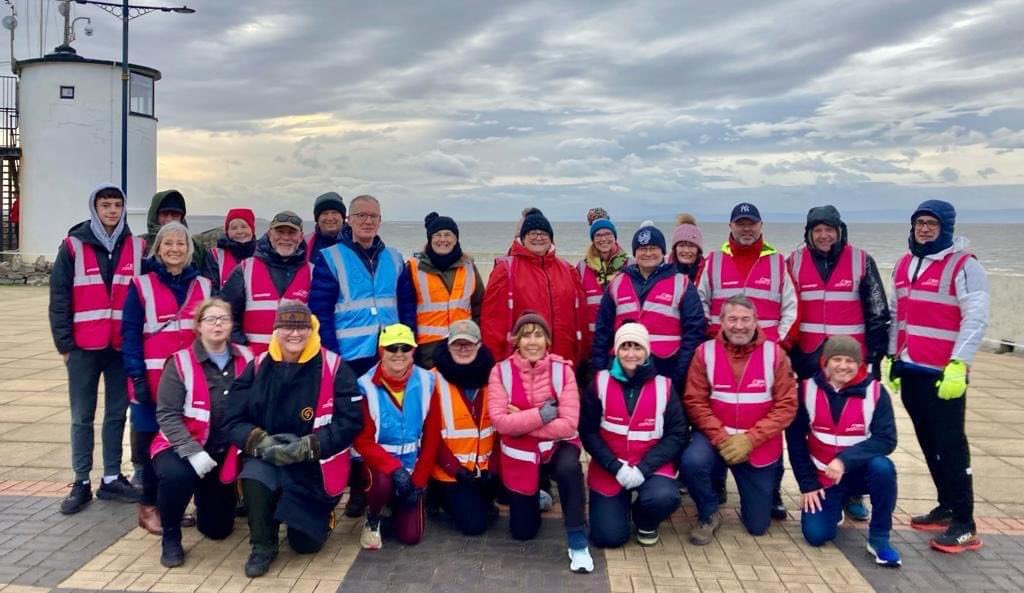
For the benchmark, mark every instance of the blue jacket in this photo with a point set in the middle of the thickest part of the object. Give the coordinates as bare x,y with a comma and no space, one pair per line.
323,295
692,326
882,441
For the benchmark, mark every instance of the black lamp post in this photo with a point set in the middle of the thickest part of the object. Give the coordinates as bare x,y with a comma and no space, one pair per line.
127,12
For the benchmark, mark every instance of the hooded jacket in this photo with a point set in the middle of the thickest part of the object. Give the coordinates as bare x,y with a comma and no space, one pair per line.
545,284
692,325
61,309
882,431
872,292
201,258
282,271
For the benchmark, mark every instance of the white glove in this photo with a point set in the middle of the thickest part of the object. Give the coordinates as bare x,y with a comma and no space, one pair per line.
202,463
629,477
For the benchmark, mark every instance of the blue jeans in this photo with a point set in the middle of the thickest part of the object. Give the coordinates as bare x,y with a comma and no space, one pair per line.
656,499
701,460
877,479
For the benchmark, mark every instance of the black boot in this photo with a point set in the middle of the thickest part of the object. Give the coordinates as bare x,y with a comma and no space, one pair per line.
80,495
172,554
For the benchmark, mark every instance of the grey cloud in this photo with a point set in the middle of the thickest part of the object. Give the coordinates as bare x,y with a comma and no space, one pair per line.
873,165
949,174
986,172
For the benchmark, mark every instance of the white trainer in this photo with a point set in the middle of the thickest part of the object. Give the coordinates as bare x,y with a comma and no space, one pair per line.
580,560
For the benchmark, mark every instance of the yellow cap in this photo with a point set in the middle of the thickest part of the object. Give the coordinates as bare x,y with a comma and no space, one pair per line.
396,333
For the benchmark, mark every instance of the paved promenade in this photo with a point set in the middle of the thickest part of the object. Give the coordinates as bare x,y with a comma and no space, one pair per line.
102,549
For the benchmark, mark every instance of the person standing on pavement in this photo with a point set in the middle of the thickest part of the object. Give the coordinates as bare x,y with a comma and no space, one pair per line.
276,272
687,251
840,444
329,216
293,414
840,293
192,402
399,439
534,406
157,322
940,309
95,265
463,474
654,293
169,206
238,243
633,426
448,286
740,395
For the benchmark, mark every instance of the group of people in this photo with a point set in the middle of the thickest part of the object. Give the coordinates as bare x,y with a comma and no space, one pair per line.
268,375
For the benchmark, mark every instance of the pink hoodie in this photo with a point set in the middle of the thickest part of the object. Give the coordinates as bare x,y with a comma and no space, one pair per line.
536,379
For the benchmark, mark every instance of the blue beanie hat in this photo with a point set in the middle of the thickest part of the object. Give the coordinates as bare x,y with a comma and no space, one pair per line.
648,234
946,213
603,223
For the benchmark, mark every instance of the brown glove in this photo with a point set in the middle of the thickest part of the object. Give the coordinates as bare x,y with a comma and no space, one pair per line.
736,449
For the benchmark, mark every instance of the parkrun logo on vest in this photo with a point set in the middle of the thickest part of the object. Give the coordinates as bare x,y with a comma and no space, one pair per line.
128,267
301,293
763,281
859,427
844,284
663,297
757,383
931,282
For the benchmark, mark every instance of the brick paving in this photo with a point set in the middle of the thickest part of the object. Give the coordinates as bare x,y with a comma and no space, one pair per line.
99,549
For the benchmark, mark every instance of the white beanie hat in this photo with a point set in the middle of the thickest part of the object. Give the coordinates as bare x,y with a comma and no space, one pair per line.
633,332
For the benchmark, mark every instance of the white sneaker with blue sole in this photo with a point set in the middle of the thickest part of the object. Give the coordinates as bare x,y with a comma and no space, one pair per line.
580,560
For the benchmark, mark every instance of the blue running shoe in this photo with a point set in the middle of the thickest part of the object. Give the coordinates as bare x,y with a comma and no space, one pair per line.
856,509
884,553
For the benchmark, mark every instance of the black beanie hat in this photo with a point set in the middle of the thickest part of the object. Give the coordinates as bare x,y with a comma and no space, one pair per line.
173,202
435,222
328,201
536,221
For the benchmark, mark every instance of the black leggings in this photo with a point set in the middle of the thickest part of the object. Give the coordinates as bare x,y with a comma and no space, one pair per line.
469,505
565,469
656,499
215,502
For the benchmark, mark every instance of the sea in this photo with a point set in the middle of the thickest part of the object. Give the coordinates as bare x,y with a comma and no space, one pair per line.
996,245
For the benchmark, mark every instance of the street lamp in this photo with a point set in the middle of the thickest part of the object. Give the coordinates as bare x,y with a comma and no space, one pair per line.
127,12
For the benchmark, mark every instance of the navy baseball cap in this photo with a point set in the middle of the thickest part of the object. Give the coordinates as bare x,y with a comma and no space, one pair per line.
745,210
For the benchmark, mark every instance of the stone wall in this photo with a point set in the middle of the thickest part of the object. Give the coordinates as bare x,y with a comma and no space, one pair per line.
16,271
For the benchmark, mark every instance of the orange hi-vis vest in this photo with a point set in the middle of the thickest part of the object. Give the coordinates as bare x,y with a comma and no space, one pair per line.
469,442
436,308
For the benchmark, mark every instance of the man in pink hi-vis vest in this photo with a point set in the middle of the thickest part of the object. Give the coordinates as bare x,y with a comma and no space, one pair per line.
940,308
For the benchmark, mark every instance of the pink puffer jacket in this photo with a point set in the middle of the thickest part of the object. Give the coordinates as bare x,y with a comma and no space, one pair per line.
536,379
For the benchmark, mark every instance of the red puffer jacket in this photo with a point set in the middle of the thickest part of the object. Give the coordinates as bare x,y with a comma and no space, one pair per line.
546,285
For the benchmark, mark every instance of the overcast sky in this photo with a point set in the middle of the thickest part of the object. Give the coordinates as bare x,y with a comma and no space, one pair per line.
477,109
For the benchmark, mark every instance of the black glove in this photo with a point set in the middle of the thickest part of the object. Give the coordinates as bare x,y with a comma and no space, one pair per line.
412,498
401,482
302,449
141,388
464,476
259,441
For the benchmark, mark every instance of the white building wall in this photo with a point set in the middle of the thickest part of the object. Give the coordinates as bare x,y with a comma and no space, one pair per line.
71,146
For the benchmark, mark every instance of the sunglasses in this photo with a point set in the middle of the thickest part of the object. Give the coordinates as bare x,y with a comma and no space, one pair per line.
289,218
396,348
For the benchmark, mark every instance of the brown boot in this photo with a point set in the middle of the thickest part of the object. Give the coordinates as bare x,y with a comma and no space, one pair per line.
149,519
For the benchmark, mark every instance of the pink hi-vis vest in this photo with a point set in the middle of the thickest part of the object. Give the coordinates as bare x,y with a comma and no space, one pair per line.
522,456
168,327
333,469
196,411
827,438
659,312
629,437
740,405
226,263
830,308
763,286
594,291
96,323
927,311
262,299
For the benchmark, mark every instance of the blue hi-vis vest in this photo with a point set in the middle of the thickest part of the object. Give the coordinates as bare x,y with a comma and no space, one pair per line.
399,431
366,302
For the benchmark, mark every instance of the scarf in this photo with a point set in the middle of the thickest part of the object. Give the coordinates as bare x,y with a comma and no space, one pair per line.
606,269
467,376
443,262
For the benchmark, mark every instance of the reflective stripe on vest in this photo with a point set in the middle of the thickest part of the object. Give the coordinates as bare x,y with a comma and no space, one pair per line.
393,434
436,308
167,327
827,438
96,313
659,312
593,291
833,307
366,302
226,263
763,286
262,300
928,311
741,405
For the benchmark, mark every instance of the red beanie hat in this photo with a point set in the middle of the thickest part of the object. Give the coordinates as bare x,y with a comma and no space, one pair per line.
243,213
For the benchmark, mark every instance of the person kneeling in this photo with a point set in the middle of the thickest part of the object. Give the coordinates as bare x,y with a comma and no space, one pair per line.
839,446
633,426
397,448
294,412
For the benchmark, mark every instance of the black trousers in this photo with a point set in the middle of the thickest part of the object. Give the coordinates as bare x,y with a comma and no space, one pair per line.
655,499
939,425
263,528
565,469
140,455
469,505
178,482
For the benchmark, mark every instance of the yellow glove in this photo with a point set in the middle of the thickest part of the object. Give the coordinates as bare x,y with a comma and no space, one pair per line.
953,382
892,383
736,449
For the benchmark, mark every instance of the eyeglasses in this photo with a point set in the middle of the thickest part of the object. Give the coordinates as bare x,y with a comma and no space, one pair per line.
396,348
463,345
293,330
536,234
604,235
926,224
216,319
364,216
289,218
